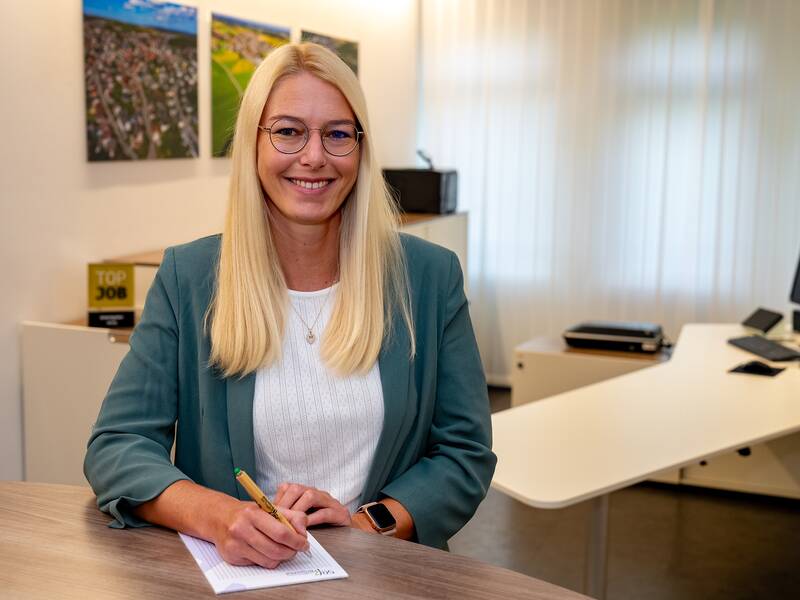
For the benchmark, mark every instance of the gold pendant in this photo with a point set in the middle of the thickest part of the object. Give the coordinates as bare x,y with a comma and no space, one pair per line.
310,337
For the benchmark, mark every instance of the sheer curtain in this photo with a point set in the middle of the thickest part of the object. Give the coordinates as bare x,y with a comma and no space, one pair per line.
619,159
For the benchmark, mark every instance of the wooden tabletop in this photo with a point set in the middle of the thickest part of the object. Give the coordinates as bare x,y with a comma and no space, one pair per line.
54,543
152,258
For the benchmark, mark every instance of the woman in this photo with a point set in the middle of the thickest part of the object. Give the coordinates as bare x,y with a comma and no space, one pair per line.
310,345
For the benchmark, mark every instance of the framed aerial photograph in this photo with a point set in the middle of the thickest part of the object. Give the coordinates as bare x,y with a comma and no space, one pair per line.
344,49
237,48
140,69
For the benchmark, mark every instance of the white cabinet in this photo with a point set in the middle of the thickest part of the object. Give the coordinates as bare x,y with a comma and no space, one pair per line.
772,468
546,366
449,231
67,369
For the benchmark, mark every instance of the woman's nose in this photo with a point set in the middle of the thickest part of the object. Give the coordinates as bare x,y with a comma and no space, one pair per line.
313,154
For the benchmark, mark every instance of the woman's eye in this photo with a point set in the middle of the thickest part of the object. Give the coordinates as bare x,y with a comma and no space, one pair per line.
288,131
339,134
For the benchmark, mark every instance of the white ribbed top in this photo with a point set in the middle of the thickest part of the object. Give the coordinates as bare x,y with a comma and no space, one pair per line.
311,426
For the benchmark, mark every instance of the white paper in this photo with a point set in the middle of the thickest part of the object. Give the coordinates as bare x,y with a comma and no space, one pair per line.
314,565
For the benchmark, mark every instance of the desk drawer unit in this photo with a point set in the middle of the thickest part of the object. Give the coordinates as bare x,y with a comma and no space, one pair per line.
772,468
546,366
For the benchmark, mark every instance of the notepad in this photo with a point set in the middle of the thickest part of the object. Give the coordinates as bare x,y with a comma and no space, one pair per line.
314,565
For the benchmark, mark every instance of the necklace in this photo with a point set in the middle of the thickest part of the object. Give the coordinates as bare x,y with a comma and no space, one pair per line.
310,337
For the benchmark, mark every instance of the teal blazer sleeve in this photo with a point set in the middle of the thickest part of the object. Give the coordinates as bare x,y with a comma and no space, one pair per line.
128,456
449,474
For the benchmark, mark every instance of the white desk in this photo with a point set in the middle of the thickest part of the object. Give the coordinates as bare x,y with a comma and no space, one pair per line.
588,442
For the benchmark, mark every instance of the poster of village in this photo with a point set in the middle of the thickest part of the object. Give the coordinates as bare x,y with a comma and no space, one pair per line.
140,68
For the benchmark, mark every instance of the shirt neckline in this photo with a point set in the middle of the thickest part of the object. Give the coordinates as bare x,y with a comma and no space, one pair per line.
313,293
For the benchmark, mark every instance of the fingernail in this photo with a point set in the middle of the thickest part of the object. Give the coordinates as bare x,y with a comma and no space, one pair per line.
307,547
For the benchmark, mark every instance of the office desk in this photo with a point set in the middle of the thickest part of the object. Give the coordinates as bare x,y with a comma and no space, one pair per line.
588,442
54,543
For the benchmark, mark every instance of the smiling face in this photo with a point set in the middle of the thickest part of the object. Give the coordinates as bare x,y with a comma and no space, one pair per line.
307,187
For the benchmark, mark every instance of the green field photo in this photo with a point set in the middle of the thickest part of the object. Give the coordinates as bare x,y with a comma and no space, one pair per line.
237,48
344,49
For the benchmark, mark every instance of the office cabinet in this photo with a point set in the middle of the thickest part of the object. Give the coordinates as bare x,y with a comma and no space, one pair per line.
66,371
449,231
546,366
771,468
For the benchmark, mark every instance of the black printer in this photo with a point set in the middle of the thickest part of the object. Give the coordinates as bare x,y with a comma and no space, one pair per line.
424,190
611,335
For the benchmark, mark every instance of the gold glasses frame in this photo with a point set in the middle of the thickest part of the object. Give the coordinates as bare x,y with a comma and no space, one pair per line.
308,130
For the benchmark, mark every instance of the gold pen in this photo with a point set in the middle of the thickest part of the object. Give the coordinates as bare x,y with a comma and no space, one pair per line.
260,497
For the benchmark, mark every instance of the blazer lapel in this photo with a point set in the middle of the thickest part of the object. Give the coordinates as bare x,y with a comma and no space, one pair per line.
240,426
400,408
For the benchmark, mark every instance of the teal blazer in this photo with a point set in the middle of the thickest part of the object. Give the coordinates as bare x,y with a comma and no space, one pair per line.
434,453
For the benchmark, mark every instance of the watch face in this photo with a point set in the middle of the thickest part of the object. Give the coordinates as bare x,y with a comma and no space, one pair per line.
381,516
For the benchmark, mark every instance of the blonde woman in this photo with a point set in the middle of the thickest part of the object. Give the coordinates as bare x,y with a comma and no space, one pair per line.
310,345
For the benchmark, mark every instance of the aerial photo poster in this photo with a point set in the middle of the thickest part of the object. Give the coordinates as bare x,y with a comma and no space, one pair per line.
237,48
344,49
140,63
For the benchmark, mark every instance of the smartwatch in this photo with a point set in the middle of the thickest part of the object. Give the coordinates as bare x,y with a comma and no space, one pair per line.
379,517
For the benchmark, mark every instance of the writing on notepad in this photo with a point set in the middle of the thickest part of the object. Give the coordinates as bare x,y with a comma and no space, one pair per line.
314,565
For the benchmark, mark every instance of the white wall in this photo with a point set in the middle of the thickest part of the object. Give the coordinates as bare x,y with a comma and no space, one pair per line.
60,212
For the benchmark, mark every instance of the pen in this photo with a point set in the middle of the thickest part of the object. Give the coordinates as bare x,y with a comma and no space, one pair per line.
260,497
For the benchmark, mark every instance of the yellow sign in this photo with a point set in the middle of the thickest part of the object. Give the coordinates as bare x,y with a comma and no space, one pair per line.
111,287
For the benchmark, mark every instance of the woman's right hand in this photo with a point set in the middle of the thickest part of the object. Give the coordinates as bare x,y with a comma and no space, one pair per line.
247,535
242,532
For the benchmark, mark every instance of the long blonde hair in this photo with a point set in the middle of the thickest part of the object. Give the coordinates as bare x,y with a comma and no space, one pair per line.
247,312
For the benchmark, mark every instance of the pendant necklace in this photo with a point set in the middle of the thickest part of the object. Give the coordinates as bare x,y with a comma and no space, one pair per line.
310,337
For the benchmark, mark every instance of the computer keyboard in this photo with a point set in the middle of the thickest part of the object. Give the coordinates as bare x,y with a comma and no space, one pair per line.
765,348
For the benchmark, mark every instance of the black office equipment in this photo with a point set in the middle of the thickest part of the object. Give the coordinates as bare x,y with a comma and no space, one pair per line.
794,296
763,320
765,348
424,190
609,335
756,367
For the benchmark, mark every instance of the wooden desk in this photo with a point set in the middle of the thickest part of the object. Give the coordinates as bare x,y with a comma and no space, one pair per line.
54,543
585,443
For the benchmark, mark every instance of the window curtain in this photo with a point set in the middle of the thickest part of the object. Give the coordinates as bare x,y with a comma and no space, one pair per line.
633,160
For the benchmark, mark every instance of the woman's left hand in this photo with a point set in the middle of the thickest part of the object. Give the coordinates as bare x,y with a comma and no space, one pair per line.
297,496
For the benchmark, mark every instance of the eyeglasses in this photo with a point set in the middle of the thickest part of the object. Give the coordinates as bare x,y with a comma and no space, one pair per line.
289,136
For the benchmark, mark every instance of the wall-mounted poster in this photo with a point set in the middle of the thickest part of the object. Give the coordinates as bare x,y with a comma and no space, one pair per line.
237,48
140,63
344,49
